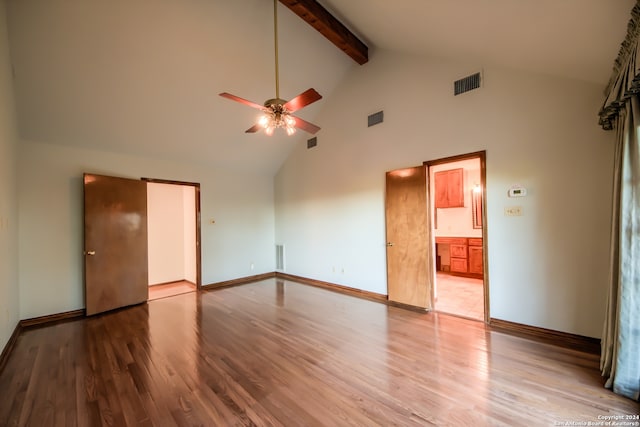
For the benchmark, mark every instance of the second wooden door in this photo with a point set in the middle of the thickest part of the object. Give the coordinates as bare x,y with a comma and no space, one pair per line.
407,237
115,224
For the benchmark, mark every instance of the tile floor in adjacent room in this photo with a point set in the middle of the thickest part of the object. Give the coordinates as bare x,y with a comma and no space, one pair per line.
462,296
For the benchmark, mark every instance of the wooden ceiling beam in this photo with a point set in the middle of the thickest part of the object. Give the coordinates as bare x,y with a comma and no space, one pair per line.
319,18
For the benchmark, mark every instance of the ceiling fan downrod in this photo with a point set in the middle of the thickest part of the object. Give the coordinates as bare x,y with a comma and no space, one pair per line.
277,112
275,43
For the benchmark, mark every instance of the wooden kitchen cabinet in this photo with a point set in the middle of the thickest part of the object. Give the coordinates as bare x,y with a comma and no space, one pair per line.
458,254
475,260
458,250
449,188
465,255
458,265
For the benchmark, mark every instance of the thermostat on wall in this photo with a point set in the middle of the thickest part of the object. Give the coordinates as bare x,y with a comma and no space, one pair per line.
517,191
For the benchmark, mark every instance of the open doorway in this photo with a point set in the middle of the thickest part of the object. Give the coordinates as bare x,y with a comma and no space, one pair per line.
457,206
173,240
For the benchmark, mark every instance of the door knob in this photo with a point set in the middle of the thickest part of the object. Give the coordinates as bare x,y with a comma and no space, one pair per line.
90,253
389,244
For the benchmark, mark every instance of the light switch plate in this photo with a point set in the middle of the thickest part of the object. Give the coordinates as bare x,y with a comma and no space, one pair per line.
513,211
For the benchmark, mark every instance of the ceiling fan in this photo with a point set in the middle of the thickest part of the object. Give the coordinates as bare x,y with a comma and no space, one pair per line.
277,111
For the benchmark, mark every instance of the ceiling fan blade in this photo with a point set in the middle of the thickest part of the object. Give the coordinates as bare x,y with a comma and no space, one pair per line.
305,98
241,100
305,125
253,129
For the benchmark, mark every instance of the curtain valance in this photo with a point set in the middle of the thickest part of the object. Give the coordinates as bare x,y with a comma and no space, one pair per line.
625,79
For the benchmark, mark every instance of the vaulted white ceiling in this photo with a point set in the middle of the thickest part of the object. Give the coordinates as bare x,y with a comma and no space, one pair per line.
143,76
572,38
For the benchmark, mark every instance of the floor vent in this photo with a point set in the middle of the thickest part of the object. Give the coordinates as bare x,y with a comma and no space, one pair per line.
312,142
280,257
466,84
375,118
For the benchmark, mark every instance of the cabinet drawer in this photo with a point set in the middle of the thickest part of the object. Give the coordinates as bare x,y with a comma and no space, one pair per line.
458,251
475,241
452,240
458,265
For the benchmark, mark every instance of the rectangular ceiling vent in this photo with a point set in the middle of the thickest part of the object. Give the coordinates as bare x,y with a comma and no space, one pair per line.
466,84
375,118
312,142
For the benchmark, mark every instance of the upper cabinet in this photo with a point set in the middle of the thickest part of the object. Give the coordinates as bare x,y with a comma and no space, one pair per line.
449,188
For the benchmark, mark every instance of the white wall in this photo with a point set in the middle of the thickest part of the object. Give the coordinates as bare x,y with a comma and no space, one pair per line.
189,232
547,268
9,293
457,222
165,219
50,231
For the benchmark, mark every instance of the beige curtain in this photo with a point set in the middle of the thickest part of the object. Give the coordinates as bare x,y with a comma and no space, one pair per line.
620,359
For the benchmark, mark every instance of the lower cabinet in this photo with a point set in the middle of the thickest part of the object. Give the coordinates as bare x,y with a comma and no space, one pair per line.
458,254
465,255
476,264
458,265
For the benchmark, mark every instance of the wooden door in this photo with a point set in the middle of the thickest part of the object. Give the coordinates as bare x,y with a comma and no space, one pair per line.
408,279
115,242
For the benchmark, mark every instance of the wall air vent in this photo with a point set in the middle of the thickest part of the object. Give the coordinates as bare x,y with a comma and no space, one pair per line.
312,142
280,257
466,84
375,118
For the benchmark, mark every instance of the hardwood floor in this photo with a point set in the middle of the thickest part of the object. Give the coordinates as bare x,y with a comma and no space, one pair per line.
286,354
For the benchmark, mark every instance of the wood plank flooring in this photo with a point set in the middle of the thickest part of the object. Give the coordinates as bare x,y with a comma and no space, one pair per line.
276,353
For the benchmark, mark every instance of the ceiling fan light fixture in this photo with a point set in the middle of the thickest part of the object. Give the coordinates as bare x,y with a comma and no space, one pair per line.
276,112
290,122
269,130
271,120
